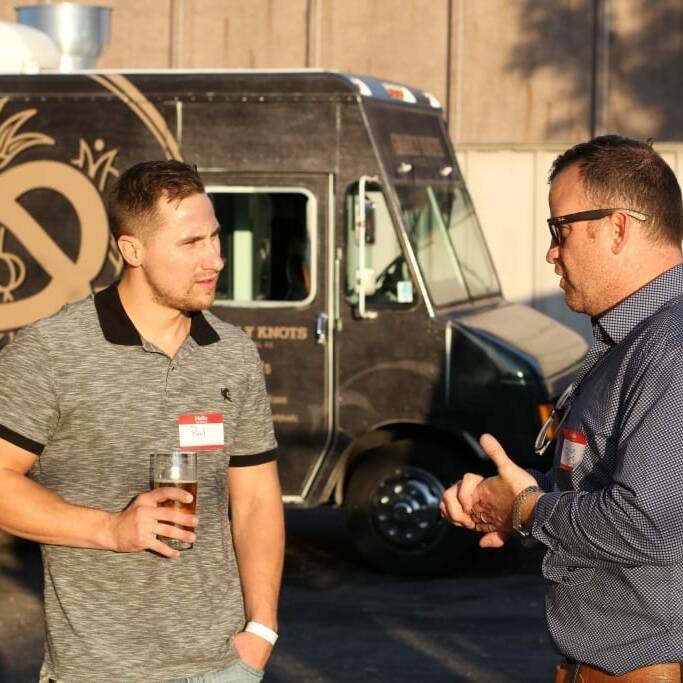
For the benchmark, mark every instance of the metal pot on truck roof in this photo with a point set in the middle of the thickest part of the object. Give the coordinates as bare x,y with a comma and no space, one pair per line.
354,259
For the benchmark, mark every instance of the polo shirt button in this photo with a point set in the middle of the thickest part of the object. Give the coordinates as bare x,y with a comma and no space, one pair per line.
565,579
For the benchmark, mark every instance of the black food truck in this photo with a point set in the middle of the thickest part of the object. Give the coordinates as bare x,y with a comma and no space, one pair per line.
354,260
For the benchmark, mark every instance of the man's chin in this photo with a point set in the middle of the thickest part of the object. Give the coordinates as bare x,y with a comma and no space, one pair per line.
199,303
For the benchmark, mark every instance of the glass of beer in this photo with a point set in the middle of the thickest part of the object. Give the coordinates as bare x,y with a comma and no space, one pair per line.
177,469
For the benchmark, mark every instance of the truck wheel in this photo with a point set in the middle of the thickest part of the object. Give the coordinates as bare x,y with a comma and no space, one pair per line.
393,514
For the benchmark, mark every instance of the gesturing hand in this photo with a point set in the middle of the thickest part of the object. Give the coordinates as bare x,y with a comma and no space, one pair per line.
486,504
137,526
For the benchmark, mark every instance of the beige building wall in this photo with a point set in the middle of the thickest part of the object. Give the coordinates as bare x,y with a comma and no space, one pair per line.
505,70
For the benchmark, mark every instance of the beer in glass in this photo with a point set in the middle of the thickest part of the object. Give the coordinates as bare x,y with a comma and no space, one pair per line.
177,469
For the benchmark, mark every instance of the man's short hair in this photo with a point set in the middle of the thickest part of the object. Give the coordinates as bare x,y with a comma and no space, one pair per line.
618,172
132,205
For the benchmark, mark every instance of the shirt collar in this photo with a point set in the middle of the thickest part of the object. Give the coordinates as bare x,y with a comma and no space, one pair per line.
118,328
618,322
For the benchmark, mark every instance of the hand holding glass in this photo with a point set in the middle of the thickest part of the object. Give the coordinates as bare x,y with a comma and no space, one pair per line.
177,469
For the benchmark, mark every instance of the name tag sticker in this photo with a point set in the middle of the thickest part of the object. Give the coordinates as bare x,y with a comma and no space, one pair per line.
573,448
201,432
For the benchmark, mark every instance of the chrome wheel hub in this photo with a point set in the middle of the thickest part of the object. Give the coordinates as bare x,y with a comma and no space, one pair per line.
405,509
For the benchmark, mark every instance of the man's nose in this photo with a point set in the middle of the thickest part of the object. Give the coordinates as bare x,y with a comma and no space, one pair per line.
553,253
213,259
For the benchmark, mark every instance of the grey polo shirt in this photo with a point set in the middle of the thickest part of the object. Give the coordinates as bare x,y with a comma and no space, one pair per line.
92,399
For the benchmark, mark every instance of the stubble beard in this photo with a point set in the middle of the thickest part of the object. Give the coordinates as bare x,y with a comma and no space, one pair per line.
186,303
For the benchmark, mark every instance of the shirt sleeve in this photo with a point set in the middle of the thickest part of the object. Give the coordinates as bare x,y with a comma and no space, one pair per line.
254,437
29,410
637,519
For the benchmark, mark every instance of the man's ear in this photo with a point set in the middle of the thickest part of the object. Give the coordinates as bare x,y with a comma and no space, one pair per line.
131,249
620,231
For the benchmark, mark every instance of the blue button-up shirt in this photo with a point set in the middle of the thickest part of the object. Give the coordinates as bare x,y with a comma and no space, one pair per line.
613,524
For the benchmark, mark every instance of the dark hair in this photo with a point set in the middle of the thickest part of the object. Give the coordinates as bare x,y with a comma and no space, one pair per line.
619,172
132,205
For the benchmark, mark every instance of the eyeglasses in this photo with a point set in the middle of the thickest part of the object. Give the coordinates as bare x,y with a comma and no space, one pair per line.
555,222
553,422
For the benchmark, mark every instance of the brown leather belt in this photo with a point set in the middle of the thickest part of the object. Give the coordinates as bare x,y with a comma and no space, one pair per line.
584,673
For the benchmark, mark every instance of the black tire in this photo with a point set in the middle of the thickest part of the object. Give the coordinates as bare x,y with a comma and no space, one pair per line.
392,509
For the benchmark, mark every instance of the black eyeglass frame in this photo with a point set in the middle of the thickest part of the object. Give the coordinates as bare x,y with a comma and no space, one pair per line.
555,222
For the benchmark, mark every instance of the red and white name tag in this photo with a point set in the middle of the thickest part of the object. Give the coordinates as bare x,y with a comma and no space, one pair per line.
573,448
201,432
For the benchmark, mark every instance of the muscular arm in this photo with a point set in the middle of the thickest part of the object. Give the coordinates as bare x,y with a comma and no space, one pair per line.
259,539
32,511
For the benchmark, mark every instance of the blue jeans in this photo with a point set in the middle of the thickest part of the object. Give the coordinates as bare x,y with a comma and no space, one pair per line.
240,672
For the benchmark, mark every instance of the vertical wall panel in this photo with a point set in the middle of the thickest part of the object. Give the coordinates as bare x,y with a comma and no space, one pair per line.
403,40
520,70
258,34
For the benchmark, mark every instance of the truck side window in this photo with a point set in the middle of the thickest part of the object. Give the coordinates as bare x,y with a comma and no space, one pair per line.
393,284
266,244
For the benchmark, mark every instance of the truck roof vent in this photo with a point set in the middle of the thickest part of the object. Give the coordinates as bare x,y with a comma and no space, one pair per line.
80,31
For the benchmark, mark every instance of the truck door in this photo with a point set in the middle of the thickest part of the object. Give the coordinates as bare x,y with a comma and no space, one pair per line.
276,287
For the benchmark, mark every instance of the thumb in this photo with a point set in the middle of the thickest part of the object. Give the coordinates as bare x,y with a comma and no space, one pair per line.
495,451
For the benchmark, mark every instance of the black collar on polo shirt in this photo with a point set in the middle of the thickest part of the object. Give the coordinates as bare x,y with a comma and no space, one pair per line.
118,328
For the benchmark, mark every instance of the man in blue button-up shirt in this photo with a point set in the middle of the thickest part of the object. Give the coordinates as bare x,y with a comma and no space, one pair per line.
610,513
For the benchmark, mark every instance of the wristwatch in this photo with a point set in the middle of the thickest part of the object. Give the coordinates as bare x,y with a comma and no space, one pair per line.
520,498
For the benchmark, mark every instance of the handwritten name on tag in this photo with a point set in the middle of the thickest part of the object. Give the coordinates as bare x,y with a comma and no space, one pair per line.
201,432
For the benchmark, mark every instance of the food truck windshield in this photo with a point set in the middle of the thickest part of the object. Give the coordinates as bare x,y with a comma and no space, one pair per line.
446,238
435,207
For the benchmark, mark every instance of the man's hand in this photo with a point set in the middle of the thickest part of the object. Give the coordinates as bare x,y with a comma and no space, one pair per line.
455,506
490,504
486,504
137,526
252,649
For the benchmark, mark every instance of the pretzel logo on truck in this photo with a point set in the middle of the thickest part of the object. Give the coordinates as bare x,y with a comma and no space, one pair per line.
55,244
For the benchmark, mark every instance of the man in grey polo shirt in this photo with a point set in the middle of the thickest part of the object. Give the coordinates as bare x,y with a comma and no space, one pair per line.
86,395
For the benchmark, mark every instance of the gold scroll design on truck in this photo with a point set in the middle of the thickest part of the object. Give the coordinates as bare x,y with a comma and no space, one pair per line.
143,109
70,280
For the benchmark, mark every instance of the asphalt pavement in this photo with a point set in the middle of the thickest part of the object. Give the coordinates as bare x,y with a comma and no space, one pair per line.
341,622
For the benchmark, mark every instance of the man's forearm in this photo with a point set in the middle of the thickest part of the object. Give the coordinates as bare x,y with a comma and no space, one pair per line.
259,540
31,511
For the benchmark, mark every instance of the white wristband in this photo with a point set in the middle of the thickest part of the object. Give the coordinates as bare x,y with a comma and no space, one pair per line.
261,631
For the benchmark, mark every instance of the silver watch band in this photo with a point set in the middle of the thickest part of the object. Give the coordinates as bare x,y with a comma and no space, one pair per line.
519,500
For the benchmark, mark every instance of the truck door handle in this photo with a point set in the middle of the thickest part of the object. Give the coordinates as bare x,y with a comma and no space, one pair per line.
321,328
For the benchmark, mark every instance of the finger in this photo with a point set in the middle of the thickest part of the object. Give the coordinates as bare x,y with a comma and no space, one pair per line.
467,495
162,548
452,510
493,539
175,532
495,451
164,514
166,493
